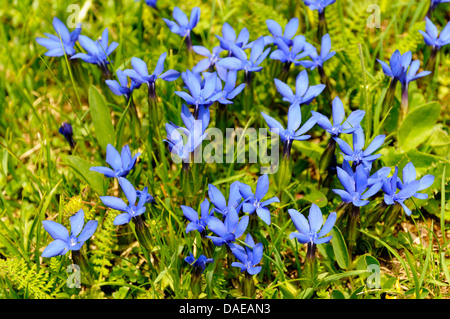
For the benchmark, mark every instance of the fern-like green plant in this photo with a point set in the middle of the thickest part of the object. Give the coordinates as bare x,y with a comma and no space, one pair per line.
26,281
104,243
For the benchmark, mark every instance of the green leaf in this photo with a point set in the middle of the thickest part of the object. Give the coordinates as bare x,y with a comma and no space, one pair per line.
339,248
337,294
81,168
418,125
101,118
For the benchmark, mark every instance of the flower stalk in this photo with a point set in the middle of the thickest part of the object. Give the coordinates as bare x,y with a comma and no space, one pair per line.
248,285
86,271
352,229
144,237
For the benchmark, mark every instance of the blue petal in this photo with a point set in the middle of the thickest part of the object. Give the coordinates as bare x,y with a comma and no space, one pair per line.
129,190
300,222
88,230
122,219
56,230
76,223
55,248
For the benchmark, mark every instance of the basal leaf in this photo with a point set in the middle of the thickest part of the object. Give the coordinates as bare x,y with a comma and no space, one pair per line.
418,125
81,168
101,118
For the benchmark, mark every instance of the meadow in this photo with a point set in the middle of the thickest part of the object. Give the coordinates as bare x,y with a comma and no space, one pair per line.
224,149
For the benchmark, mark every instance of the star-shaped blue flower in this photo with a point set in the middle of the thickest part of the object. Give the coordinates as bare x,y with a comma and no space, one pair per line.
121,86
63,242
183,26
356,188
277,31
293,131
62,42
131,210
304,94
319,59
200,263
254,202
228,38
219,201
197,223
229,230
97,51
121,163
140,75
358,155
249,257
240,60
340,124
398,64
311,230
433,38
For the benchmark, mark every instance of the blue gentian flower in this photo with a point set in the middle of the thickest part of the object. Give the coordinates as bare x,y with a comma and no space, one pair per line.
196,223
249,257
211,58
66,130
97,51
219,201
391,196
199,95
229,230
253,202
432,37
340,124
131,210
356,188
230,90
194,133
358,155
277,32
412,75
120,86
200,263
409,176
63,242
140,74
398,64
293,131
288,55
62,42
318,5
304,94
183,26
228,38
319,59
148,198
188,119
377,177
121,163
311,230
240,61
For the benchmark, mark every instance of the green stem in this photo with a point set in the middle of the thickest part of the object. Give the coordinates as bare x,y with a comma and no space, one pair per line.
144,237
86,271
248,285
352,231
322,28
389,98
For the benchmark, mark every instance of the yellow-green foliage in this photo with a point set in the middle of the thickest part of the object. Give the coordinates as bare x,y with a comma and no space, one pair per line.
30,282
104,241
412,39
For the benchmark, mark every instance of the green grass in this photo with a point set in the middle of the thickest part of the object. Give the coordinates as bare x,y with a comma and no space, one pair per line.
41,180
